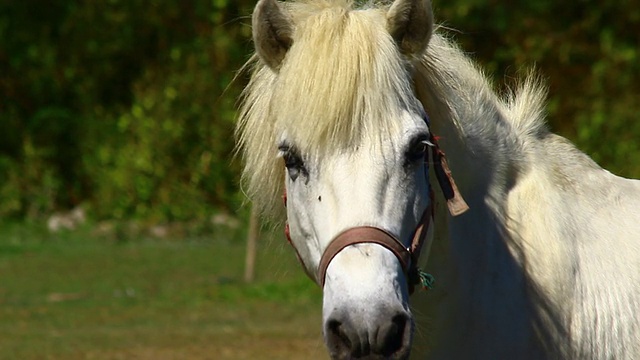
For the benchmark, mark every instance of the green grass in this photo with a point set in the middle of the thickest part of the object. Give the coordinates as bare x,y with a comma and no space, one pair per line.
77,296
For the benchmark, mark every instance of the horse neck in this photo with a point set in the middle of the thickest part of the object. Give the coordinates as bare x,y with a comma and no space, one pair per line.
482,153
478,262
481,145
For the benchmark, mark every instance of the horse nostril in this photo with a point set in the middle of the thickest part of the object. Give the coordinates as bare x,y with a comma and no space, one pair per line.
389,338
337,339
394,338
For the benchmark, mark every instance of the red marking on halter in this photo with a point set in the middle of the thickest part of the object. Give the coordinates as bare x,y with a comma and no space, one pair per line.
287,232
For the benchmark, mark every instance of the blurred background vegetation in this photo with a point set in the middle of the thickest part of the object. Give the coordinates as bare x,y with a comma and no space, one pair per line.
126,107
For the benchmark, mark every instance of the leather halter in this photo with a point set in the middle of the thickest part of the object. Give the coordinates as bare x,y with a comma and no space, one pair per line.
407,256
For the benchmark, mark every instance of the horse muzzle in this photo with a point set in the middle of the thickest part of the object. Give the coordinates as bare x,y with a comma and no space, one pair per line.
375,324
348,335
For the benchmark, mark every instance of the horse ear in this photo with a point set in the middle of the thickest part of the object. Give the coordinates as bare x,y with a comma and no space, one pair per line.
272,32
410,23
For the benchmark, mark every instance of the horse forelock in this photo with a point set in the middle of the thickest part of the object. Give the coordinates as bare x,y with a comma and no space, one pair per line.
342,80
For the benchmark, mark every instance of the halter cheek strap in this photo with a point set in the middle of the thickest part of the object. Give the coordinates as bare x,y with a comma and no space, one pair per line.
455,202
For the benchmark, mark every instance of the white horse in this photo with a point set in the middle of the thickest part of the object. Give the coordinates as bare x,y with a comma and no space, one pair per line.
546,262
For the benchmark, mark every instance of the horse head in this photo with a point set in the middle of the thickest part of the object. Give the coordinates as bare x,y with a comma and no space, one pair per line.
331,120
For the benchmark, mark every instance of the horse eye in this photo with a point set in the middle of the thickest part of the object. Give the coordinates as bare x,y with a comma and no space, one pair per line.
292,161
418,149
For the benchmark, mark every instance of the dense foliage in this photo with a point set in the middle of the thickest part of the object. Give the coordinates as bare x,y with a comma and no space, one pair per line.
126,107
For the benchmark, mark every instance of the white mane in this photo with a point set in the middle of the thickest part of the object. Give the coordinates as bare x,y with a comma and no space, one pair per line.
341,97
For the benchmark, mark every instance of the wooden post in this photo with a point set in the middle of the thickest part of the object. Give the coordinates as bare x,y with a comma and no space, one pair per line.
252,248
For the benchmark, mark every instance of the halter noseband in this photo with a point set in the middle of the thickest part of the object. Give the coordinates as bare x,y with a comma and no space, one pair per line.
407,256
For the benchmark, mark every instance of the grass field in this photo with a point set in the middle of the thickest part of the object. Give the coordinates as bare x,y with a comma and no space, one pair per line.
77,296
